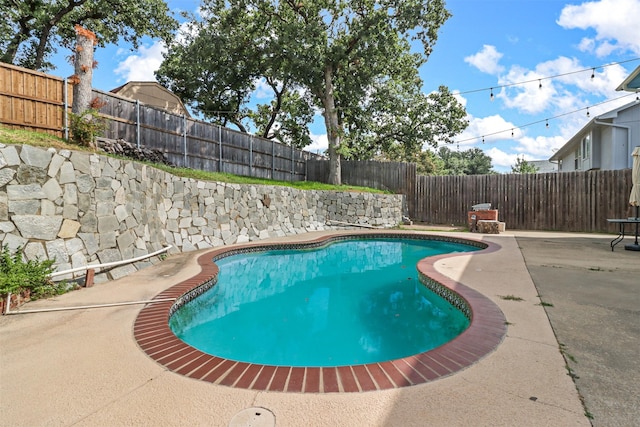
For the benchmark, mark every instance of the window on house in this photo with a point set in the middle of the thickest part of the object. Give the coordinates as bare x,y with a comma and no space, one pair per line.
576,159
586,146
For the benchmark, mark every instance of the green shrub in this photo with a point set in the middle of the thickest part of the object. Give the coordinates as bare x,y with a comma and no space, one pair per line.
85,127
17,275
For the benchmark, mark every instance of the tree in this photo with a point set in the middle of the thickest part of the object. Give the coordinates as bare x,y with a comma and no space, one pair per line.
216,66
427,162
34,28
400,125
470,162
522,166
340,56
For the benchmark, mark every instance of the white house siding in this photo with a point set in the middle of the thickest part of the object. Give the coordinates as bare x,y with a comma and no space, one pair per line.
596,150
607,150
621,154
614,135
630,118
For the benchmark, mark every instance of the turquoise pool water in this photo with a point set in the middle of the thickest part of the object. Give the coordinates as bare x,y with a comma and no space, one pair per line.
351,302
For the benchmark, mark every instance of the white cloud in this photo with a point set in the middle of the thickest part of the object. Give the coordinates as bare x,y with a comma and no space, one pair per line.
570,91
262,90
603,83
540,147
615,23
492,128
486,60
142,65
540,93
461,99
319,145
500,160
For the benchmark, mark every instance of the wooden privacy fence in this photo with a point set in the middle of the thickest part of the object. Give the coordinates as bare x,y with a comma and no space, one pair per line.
36,101
200,145
32,100
567,201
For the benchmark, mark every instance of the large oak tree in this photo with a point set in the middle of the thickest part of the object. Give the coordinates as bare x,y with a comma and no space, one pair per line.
356,61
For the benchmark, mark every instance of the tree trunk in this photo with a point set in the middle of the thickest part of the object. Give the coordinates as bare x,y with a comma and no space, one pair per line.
42,47
83,68
332,126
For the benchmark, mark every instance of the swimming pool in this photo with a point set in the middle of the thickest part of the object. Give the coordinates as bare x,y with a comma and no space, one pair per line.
348,302
486,330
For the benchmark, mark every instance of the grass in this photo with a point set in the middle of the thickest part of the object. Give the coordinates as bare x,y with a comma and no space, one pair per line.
36,139
510,298
39,139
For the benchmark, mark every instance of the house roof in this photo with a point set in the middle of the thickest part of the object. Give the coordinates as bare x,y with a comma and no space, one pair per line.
132,88
632,82
571,143
141,83
575,139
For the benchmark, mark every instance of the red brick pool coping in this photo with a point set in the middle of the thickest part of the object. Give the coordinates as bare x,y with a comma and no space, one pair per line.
486,331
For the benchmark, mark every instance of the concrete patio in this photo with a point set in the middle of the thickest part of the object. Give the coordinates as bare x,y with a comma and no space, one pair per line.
83,367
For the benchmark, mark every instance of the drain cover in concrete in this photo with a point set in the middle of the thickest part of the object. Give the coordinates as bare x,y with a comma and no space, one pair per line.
253,417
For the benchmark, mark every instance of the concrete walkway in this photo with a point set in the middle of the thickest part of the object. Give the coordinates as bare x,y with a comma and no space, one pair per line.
593,297
83,367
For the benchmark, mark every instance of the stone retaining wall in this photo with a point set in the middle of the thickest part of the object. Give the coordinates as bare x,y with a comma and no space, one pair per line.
80,208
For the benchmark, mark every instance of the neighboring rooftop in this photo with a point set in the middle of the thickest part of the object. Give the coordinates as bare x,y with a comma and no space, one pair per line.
632,82
154,94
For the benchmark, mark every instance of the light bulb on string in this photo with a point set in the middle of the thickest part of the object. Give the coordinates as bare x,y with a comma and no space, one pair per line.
539,84
547,124
511,133
593,73
588,112
483,139
491,94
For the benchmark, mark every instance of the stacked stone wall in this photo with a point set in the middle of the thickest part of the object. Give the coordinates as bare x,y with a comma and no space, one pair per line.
81,208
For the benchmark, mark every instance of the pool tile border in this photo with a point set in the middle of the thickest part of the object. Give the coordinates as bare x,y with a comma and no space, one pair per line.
486,331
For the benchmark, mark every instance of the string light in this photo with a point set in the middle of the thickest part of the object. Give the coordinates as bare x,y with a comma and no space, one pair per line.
491,95
549,118
511,132
547,124
588,112
548,77
593,73
539,84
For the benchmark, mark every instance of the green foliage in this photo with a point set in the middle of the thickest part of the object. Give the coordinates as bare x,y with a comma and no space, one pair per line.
522,166
469,162
351,60
443,162
32,30
86,126
17,275
401,122
285,119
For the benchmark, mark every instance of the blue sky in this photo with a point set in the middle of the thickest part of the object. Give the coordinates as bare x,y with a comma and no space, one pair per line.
491,44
